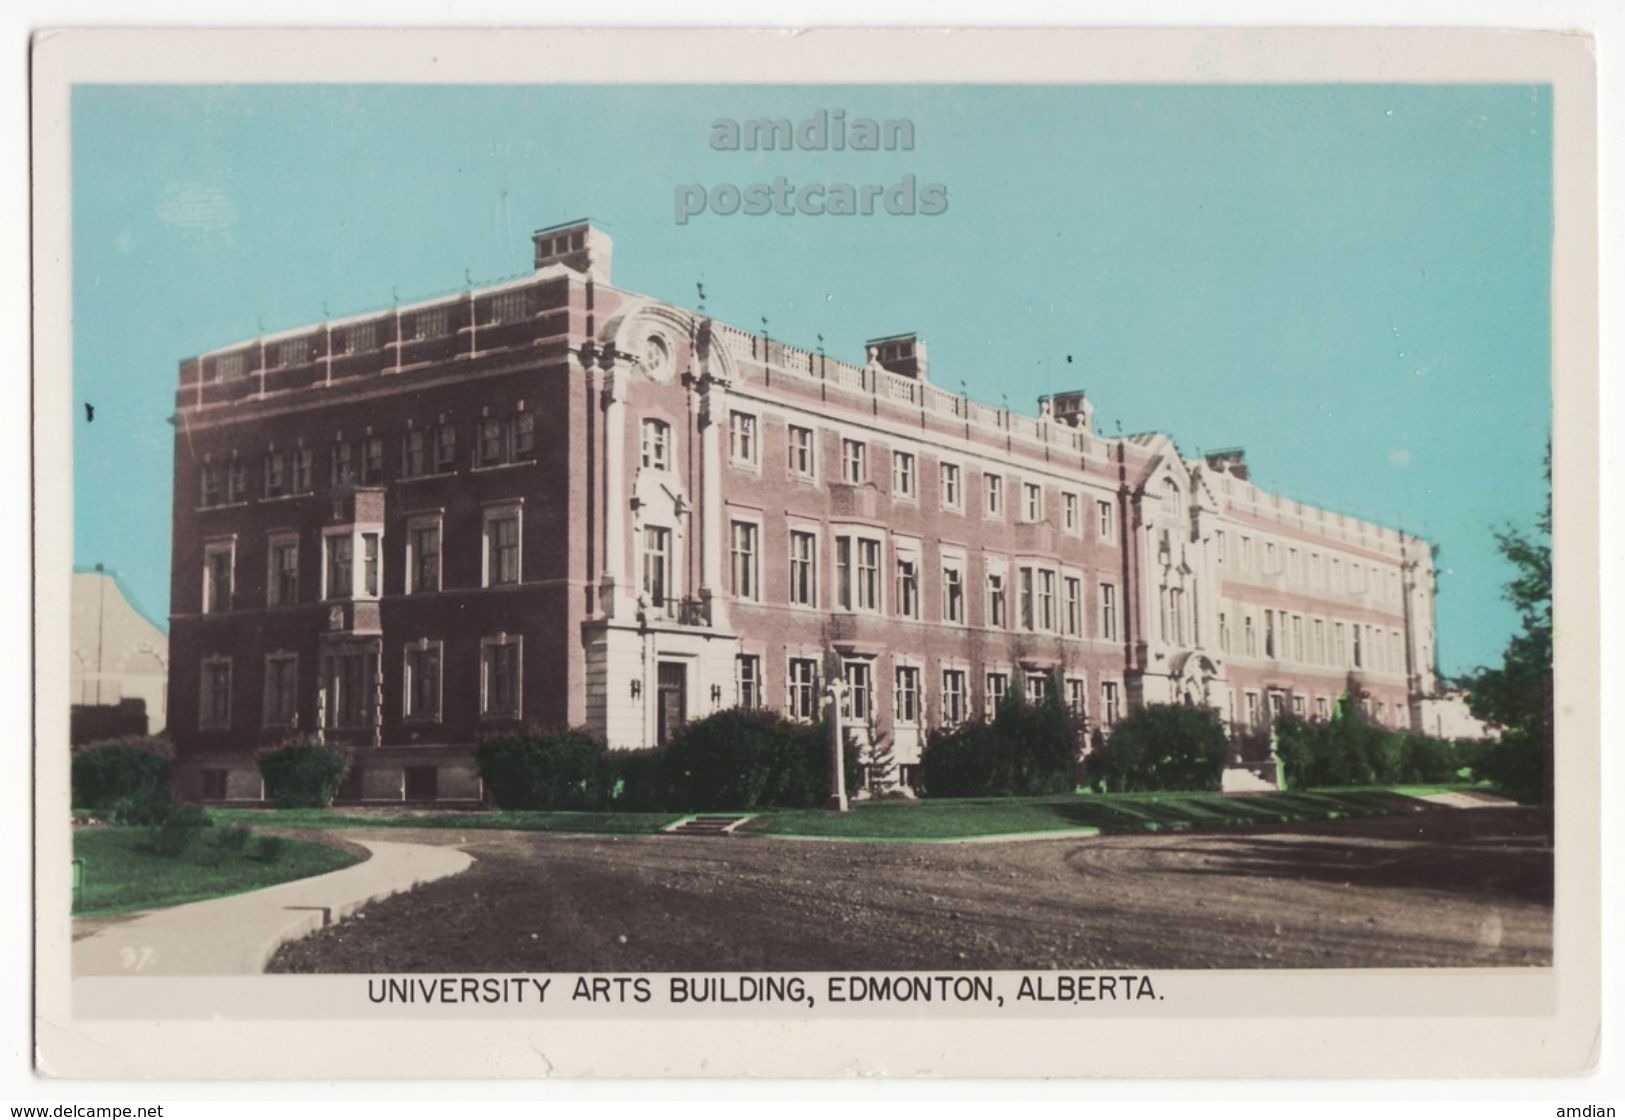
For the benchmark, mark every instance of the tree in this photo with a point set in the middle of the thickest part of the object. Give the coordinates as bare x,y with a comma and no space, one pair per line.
1517,695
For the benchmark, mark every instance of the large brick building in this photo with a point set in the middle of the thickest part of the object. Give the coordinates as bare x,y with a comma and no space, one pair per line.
553,501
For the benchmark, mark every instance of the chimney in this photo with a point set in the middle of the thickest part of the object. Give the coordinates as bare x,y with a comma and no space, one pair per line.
1232,459
1072,408
902,354
579,246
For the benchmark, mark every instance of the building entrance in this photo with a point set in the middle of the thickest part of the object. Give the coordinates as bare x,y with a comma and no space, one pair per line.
672,702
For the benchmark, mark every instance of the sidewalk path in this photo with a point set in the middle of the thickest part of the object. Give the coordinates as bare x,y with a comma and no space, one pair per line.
237,935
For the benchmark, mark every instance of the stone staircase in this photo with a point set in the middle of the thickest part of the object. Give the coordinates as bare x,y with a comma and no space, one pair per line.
709,824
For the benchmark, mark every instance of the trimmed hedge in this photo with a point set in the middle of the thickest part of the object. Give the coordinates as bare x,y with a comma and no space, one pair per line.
1161,747
107,774
543,770
749,759
302,775
1027,750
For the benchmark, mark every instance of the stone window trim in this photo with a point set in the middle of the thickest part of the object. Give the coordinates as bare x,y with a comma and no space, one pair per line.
212,602
502,640
492,512
753,573
275,540
208,718
268,720
416,523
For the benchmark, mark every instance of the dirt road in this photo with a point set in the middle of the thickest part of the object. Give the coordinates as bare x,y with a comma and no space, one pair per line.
1441,887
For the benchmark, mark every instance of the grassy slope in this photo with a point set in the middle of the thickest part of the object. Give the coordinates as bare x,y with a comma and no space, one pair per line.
120,876
625,824
1125,812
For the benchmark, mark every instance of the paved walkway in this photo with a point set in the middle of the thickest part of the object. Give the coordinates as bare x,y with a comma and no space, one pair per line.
237,935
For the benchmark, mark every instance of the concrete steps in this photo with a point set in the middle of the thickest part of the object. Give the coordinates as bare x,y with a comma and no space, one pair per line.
709,824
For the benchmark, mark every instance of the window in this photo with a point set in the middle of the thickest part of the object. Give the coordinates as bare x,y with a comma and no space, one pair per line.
1069,512
1032,502
1341,643
854,461
746,574
350,682
214,693
1246,554
218,565
1318,651
423,555
342,465
422,681
657,445
802,461
902,475
1297,637
1269,634
748,680
1107,521
868,581
1272,562
1224,632
953,496
998,687
803,690
281,689
490,448
1297,705
994,487
906,695
1072,606
995,600
1219,545
501,546
1046,600
416,448
1024,598
1076,694
803,568
445,448
860,690
1037,688
340,567
299,464
433,323
657,565
953,697
908,584
211,481
276,474
372,460
282,577
523,425
370,574
236,482
1108,611
1173,501
1252,709
1322,708
499,677
1251,636
1358,660
953,591
742,437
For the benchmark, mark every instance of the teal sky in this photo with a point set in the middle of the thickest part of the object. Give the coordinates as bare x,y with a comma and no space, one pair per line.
1350,281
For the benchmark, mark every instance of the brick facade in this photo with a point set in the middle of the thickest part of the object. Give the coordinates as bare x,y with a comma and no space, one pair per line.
556,502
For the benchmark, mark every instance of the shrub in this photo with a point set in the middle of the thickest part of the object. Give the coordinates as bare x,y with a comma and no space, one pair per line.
1432,760
1162,747
733,759
1515,765
268,849
1348,751
127,769
143,809
1027,750
302,775
174,833
633,781
233,838
543,770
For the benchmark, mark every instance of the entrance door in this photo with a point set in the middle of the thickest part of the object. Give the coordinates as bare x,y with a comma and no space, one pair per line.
672,710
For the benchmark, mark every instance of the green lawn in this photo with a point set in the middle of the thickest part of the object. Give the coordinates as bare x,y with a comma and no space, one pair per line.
120,876
949,818
623,824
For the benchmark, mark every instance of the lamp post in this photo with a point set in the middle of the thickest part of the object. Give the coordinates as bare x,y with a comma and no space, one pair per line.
835,696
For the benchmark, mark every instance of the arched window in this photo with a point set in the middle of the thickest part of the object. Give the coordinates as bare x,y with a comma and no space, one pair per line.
1172,500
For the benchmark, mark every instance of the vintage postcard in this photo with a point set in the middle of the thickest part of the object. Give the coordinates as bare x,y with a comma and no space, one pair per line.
919,553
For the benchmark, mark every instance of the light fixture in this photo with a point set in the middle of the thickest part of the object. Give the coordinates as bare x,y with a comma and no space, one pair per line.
637,688
716,694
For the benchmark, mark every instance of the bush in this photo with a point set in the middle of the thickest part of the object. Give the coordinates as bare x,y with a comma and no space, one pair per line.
543,770
633,781
174,833
233,838
1515,766
1162,747
268,849
107,773
1348,751
143,809
302,775
1028,750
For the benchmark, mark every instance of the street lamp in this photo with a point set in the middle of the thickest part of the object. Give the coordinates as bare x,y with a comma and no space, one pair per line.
835,697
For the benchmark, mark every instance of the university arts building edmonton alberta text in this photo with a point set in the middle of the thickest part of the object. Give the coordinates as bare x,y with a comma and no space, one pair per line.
555,502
